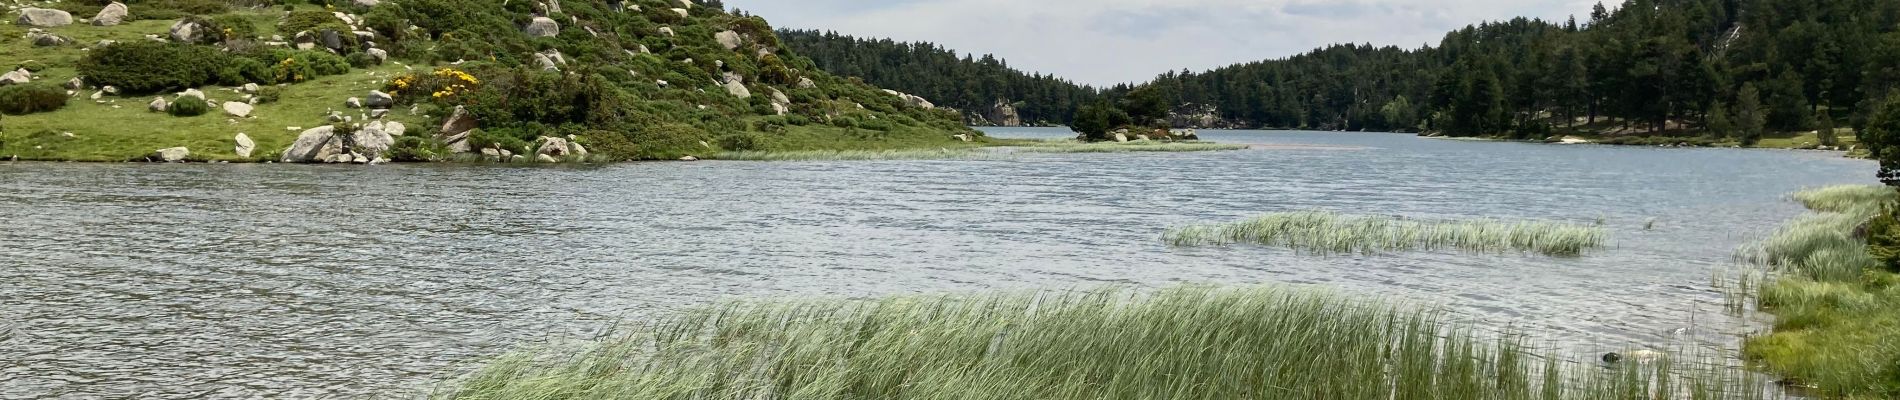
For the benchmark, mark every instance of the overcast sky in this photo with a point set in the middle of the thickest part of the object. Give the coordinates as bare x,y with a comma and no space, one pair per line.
1112,41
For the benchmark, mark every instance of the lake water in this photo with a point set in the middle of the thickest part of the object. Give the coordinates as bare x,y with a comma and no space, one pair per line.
244,281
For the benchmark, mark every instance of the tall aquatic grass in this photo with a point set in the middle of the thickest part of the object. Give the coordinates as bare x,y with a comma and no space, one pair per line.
1330,233
1824,245
1070,146
1178,343
862,155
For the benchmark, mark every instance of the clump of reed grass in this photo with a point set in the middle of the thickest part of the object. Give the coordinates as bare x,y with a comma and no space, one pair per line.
1071,146
1329,233
1823,245
1190,342
861,155
1851,199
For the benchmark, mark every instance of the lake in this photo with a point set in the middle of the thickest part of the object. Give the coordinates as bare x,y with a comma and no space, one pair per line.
242,281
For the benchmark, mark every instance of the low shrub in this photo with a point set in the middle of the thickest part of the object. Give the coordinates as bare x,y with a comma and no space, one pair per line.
269,94
188,106
31,98
149,67
307,20
289,66
745,141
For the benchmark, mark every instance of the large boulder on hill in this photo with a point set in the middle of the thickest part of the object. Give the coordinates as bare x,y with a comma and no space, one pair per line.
186,32
18,76
737,89
236,109
543,27
379,100
454,132
44,17
315,145
729,39
806,83
113,14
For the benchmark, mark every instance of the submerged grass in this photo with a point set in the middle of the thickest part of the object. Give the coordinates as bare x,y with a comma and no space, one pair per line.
1837,327
1180,343
861,155
1330,233
1072,146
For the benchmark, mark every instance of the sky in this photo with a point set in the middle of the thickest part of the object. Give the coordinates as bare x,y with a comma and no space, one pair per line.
1104,42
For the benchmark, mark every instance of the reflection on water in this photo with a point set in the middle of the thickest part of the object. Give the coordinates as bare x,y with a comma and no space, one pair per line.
238,281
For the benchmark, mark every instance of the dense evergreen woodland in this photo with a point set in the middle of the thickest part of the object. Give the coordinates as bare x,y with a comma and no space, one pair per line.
964,82
1733,69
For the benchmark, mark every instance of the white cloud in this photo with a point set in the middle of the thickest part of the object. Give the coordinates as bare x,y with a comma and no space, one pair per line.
1112,41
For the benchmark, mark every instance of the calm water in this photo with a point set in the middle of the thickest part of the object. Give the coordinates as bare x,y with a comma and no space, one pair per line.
243,281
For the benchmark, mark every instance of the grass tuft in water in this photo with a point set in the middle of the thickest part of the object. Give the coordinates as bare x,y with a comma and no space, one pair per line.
1180,343
861,155
1849,199
1330,233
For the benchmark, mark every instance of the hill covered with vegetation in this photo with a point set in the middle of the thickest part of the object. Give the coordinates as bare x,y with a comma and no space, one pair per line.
428,80
986,89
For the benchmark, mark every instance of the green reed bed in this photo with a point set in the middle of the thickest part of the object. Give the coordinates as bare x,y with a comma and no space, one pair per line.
1071,146
1178,343
1837,309
861,155
1331,233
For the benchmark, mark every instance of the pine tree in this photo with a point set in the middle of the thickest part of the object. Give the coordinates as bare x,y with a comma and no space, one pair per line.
1750,120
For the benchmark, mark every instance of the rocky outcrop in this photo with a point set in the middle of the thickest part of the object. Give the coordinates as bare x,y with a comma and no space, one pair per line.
912,100
454,132
543,27
1198,116
371,142
112,15
1003,114
737,89
315,145
552,147
244,146
44,17
806,83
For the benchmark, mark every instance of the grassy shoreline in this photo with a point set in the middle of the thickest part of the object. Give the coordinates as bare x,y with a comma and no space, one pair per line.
1837,328
1329,233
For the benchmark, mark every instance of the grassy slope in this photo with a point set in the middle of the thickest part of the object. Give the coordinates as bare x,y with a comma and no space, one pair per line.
122,129
1838,313
129,131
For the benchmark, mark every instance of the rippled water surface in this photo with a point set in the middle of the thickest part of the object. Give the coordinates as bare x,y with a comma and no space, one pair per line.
244,281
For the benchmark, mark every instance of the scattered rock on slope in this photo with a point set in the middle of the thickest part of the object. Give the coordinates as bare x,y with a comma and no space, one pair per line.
44,17
113,14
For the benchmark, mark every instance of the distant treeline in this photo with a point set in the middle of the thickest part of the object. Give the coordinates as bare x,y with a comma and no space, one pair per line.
1734,68
964,82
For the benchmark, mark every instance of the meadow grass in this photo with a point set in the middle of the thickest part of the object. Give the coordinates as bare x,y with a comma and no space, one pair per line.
861,155
1329,233
1072,146
1189,342
1837,327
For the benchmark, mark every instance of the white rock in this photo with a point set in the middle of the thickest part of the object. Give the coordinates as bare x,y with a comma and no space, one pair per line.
44,17
546,159
244,145
666,30
737,89
729,39
174,154
158,105
683,12
236,109
353,102
319,144
18,76
113,14
378,99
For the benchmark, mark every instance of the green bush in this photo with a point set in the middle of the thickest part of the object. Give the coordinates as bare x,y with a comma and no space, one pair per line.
31,98
360,60
308,20
417,149
290,66
188,106
742,142
149,67
231,27
1883,239
269,94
